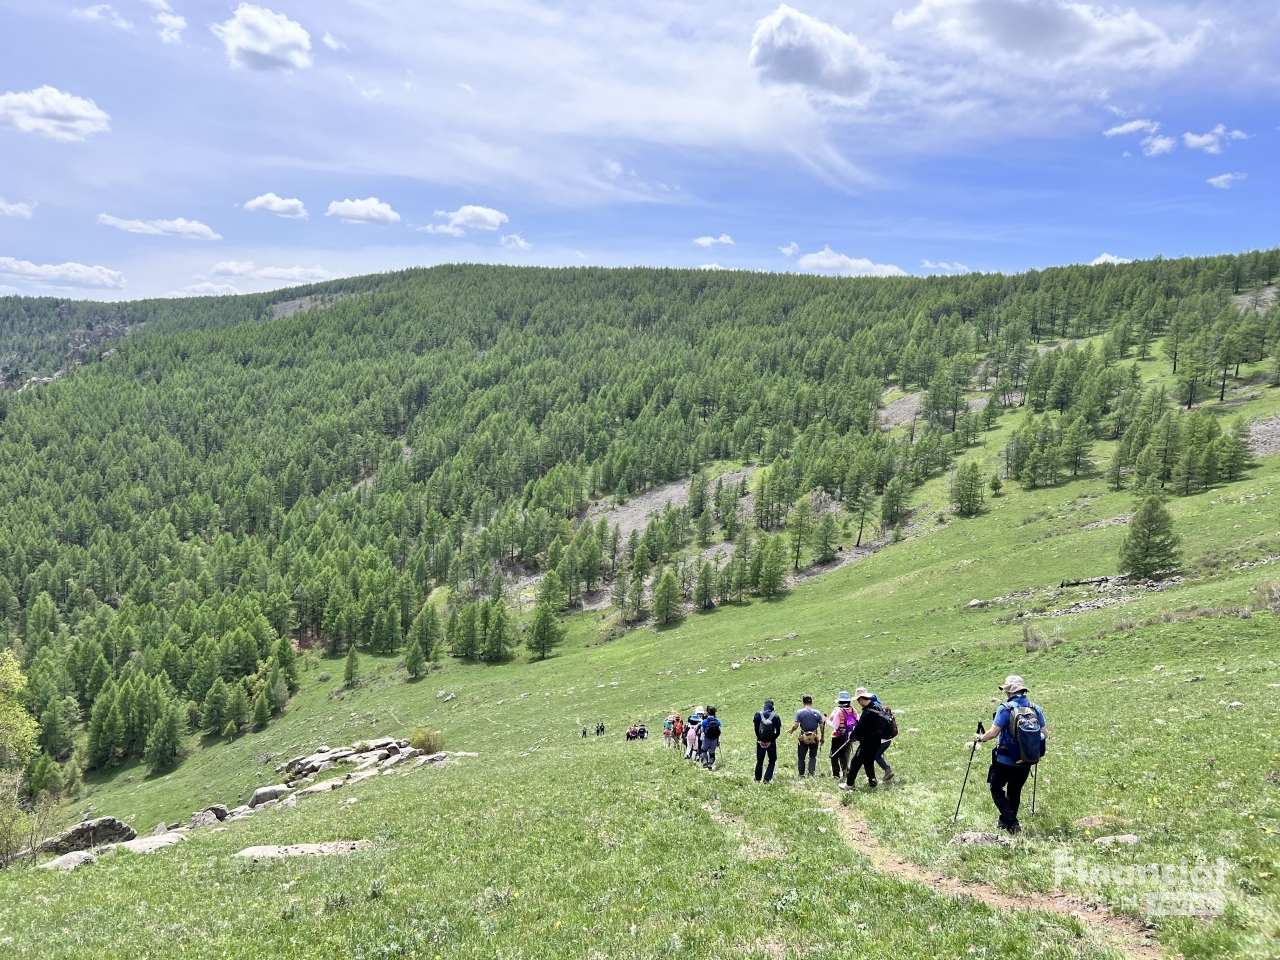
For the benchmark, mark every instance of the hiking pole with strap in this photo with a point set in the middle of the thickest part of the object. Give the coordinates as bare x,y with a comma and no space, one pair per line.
1035,782
973,747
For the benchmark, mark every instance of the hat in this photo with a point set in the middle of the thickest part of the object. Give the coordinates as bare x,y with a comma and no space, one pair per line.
842,696
861,694
1014,684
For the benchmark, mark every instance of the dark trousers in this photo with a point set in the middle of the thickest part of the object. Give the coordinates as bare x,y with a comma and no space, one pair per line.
807,749
863,758
841,748
880,755
769,750
1006,790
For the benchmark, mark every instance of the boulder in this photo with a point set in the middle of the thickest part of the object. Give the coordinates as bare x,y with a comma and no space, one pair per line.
360,775
391,761
161,827
203,818
323,766
977,839
286,802
88,834
151,844
305,849
295,763
69,861
324,786
436,757
240,811
263,794
381,742
219,810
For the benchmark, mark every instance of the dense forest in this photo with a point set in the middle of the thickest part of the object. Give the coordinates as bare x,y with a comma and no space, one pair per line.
183,516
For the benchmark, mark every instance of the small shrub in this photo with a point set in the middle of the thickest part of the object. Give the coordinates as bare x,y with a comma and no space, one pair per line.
335,901
1267,596
428,741
324,677
1124,624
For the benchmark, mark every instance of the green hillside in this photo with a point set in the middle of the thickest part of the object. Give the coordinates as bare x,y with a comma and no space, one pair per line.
238,508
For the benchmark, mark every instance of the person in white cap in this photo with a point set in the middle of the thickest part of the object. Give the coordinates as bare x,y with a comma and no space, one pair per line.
1020,726
872,729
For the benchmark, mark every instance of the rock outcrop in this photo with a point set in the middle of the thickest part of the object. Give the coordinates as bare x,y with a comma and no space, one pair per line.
69,861
89,834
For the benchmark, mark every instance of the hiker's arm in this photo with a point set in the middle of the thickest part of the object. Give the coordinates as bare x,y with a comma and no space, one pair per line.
989,735
793,727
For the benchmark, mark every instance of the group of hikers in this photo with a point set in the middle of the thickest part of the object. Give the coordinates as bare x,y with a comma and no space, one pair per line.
861,734
599,731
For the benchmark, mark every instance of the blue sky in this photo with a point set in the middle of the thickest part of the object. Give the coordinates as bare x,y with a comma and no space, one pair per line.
157,147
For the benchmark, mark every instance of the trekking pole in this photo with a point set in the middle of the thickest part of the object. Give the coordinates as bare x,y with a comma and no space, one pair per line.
1035,782
972,749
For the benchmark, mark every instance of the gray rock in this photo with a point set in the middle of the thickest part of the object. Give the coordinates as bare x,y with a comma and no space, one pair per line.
219,810
268,805
324,786
151,844
88,834
69,861
305,849
295,763
203,818
286,802
436,757
977,839
322,767
161,827
402,744
391,761
240,810
381,742
263,794
1126,839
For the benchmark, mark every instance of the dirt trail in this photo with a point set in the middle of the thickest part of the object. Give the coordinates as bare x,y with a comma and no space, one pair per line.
1125,934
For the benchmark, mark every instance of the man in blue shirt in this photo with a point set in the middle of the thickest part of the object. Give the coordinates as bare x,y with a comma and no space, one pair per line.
710,738
813,727
768,727
1010,766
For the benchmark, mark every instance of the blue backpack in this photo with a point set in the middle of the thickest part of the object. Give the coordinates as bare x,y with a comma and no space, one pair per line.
712,731
1025,735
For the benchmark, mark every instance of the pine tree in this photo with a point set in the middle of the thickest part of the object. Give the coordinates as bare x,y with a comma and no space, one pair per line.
261,710
352,668
551,591
498,635
216,701
800,528
618,596
54,738
824,538
636,590
1077,442
165,739
238,710
545,633
111,740
414,659
666,597
288,662
1149,545
704,592
704,529
771,569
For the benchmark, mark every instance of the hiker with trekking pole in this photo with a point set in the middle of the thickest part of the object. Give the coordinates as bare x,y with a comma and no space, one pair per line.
843,720
874,728
1020,728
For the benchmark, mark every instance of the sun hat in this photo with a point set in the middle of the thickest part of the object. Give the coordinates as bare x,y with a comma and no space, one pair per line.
1014,684
842,696
862,694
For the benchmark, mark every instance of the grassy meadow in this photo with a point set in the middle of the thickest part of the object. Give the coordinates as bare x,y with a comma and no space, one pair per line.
547,845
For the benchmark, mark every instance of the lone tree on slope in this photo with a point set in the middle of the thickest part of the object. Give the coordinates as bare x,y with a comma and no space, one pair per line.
1150,545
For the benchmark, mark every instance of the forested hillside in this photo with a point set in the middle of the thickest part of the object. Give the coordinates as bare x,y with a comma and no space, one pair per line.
183,516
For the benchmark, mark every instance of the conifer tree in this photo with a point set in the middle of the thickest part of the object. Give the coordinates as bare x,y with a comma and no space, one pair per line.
545,633
287,660
261,710
771,569
666,597
800,528
165,739
1149,545
414,659
824,538
216,703
238,710
704,592
352,668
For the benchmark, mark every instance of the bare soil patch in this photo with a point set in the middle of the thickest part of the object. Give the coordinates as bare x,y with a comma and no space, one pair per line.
903,410
1259,299
634,514
1265,437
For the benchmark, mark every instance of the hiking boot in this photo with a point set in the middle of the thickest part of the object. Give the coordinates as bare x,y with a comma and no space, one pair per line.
845,786
872,784
888,776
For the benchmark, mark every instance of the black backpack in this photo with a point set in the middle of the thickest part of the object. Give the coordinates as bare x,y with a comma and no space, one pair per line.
767,728
712,731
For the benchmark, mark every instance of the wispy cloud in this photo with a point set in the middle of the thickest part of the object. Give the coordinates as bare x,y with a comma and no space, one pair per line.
790,250
1104,258
1224,181
102,13
708,242
249,270
23,211
467,216
1152,144
514,241
181,227
945,267
1211,142
61,274
827,260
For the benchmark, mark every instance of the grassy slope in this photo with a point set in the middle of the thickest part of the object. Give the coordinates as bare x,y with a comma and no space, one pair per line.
611,841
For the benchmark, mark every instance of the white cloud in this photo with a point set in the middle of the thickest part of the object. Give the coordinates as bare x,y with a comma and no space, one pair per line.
205,289
468,216
186,229
49,111
793,48
710,266
1111,258
24,211
368,210
942,265
1053,32
249,270
516,242
1211,142
1152,144
171,25
103,13
61,274
260,39
827,260
1133,126
291,209
1224,180
332,42
708,242
790,250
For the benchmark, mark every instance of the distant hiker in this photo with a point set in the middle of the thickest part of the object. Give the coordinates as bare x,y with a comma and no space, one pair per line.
691,738
872,729
710,738
668,730
633,733
768,727
677,731
642,731
813,727
843,719
584,733
1020,725
599,729
888,733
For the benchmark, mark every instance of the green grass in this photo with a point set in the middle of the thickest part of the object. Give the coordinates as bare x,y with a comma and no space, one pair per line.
624,850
